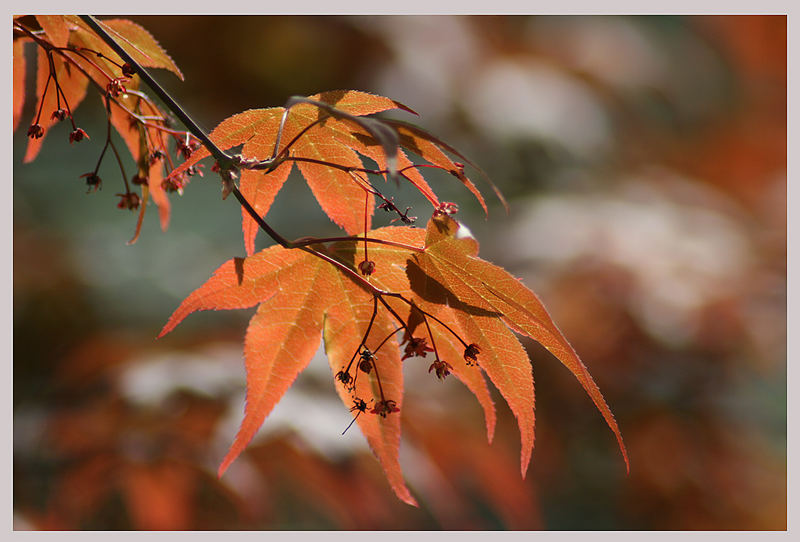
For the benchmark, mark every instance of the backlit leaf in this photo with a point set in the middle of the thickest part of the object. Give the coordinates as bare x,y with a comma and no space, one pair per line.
325,144
339,195
301,297
137,41
439,290
430,148
453,262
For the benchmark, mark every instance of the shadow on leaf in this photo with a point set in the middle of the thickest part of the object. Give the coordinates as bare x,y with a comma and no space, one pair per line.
432,291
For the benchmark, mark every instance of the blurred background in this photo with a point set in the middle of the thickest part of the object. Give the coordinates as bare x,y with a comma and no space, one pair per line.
644,160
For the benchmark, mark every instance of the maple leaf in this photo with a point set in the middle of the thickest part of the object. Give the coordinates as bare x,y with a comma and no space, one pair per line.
366,145
450,262
93,439
434,287
137,41
325,139
301,299
431,149
314,137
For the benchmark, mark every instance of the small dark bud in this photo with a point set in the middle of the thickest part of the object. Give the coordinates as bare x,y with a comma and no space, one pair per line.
227,176
365,365
367,358
35,131
417,346
459,172
175,182
186,148
127,70
128,201
59,114
344,377
138,179
92,180
382,408
77,135
407,219
358,404
471,353
156,155
442,368
367,267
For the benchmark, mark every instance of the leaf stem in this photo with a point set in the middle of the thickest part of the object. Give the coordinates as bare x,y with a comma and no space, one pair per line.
41,105
430,334
366,216
366,334
386,339
394,313
110,143
444,326
305,241
378,378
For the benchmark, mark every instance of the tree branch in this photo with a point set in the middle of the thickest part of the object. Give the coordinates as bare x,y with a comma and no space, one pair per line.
229,163
223,159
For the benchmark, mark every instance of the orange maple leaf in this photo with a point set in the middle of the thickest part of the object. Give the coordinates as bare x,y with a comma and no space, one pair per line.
481,295
431,284
302,298
137,41
327,150
313,137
